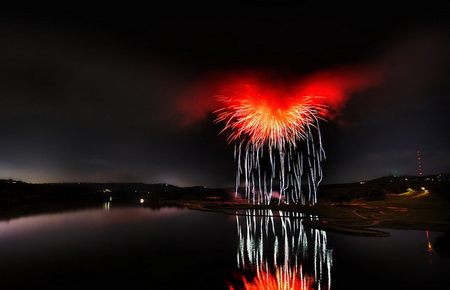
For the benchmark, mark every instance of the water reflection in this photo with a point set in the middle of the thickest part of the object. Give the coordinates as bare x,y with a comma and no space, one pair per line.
429,246
275,251
107,205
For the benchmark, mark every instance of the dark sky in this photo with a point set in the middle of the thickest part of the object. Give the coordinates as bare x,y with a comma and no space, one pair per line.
90,94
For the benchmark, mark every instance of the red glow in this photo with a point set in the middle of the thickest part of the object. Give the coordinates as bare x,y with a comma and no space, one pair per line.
269,281
331,88
337,86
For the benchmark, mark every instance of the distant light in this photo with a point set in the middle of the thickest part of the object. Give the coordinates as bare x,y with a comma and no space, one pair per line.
406,179
362,182
110,198
422,188
141,200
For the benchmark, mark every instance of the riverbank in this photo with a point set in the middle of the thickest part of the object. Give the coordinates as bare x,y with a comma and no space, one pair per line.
357,217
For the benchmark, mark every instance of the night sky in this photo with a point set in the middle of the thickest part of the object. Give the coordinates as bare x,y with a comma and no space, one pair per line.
90,94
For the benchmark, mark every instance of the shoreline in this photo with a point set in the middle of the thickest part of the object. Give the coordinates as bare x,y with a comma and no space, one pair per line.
365,218
362,218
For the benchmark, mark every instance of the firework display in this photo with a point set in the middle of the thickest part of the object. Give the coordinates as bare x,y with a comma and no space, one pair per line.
278,142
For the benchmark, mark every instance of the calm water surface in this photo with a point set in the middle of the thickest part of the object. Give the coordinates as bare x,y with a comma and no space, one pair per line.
172,248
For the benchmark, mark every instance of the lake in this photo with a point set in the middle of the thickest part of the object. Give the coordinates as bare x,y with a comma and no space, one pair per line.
175,248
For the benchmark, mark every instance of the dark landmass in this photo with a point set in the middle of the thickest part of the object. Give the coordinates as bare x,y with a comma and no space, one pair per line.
405,202
377,189
19,198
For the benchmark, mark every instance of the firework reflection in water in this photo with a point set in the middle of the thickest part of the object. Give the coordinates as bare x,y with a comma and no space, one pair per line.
276,251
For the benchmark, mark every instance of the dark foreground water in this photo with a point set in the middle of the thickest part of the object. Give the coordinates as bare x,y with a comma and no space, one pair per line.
170,248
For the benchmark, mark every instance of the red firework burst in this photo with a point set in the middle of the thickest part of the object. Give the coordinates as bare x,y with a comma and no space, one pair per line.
260,114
